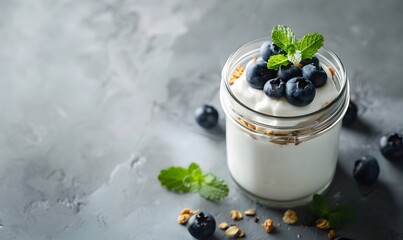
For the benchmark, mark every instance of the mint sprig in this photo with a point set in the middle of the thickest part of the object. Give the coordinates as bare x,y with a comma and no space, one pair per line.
283,37
310,44
191,179
296,51
276,61
320,207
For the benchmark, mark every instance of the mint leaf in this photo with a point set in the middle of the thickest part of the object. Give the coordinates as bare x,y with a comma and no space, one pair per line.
335,221
173,179
295,58
213,188
337,216
283,37
193,166
195,173
319,206
276,61
191,179
194,178
340,215
310,44
291,49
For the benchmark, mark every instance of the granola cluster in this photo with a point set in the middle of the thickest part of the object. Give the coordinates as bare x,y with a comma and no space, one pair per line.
238,73
185,214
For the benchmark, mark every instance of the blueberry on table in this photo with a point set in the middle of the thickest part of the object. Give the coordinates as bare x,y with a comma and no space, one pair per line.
288,72
313,60
366,170
391,146
206,116
269,49
257,74
351,114
274,88
299,91
201,225
315,74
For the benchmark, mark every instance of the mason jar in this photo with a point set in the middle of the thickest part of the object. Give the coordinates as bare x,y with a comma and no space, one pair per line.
282,161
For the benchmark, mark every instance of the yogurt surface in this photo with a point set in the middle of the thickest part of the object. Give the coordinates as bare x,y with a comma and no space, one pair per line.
258,101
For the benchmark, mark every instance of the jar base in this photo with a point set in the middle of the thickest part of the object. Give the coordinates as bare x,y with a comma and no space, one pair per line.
282,204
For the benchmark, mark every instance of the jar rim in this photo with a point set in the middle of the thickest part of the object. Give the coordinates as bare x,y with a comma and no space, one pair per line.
226,70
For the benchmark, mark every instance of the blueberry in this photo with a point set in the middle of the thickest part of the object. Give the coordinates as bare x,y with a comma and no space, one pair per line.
313,60
269,49
351,114
299,91
315,74
288,72
206,116
274,88
201,225
366,170
391,146
257,74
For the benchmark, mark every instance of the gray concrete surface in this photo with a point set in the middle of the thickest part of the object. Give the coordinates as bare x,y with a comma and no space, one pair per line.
97,96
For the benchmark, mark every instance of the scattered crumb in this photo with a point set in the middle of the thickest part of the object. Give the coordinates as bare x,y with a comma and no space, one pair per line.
256,219
254,58
290,217
299,236
189,211
331,234
185,214
236,215
250,212
183,218
232,231
223,226
322,223
268,225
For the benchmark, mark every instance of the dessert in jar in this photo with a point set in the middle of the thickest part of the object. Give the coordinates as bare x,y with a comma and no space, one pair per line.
284,100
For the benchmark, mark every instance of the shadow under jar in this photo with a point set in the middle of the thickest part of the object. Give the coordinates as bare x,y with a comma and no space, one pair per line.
282,161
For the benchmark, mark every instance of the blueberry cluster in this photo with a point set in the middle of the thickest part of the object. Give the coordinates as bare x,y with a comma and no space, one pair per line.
366,169
296,82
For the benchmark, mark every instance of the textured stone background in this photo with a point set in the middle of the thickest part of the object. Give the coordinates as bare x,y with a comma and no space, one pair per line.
97,96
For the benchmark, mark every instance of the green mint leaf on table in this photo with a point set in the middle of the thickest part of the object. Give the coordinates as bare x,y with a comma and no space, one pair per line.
213,188
336,217
192,179
173,179
340,215
319,206
310,44
283,37
276,61
193,167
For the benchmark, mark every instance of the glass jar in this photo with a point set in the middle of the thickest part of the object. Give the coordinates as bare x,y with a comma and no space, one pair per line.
281,161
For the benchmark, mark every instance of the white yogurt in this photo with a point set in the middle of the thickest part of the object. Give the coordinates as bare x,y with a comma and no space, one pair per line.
257,100
288,172
282,172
